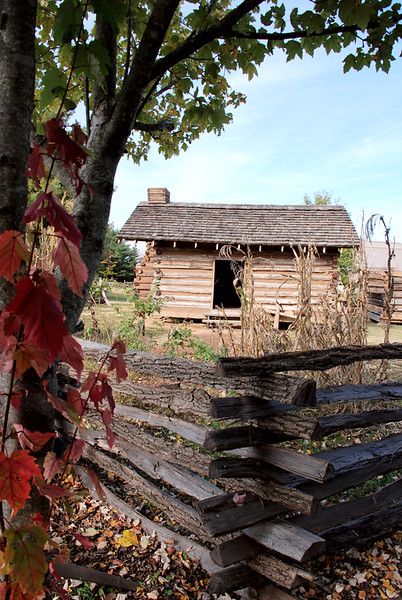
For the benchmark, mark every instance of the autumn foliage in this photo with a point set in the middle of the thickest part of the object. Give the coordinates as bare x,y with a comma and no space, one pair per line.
33,337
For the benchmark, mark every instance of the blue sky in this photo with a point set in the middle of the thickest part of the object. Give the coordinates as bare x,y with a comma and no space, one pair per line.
306,127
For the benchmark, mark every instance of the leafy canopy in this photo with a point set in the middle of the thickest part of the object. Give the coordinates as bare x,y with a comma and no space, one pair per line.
187,90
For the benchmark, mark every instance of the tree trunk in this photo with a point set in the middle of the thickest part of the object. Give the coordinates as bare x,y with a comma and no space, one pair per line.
17,78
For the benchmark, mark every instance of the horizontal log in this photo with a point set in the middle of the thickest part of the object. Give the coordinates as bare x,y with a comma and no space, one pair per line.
281,388
219,440
222,515
185,481
70,571
180,454
245,407
270,592
282,494
353,465
356,464
359,393
186,515
315,428
194,402
305,465
241,467
339,515
312,360
331,424
190,431
231,579
287,539
369,527
235,550
278,571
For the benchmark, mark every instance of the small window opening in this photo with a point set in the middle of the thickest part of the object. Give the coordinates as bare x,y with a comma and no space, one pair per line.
228,278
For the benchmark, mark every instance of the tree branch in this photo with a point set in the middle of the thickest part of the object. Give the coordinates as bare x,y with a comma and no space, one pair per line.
128,49
105,34
165,125
290,35
129,97
197,41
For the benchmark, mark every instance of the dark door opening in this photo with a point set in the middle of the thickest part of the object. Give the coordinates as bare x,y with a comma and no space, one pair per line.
227,276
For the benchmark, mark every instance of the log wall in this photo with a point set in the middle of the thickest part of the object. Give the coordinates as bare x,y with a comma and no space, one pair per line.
186,278
260,503
376,283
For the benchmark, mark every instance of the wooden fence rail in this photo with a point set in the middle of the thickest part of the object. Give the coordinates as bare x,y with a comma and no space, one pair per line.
261,502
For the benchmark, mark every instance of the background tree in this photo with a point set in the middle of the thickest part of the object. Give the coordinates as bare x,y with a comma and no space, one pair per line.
322,198
118,259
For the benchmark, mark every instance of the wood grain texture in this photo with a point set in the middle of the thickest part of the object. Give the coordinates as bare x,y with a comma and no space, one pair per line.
312,360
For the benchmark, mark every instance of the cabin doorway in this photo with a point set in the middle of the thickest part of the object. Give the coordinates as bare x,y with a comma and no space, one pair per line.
228,274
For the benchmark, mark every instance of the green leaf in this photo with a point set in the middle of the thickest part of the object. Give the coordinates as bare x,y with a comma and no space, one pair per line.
26,557
114,12
54,83
67,23
98,59
349,63
293,49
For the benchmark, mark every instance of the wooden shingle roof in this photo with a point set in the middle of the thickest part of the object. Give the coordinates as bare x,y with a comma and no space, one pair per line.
271,225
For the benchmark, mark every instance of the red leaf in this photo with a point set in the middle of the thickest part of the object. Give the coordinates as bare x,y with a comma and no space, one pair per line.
16,593
48,282
16,399
99,389
76,401
84,541
71,153
107,418
13,250
32,440
51,491
74,451
72,354
36,167
95,480
51,466
12,324
119,346
118,364
110,437
16,473
48,205
64,408
67,257
3,590
42,317
27,356
78,135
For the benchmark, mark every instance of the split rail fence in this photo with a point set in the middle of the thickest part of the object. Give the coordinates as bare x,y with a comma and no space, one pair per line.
217,449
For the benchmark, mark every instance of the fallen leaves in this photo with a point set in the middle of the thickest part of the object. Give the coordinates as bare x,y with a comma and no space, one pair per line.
94,535
371,573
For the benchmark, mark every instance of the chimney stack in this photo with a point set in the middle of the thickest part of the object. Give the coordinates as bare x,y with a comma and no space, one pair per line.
158,196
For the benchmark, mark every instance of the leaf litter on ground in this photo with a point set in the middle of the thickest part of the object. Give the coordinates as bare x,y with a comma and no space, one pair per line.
95,535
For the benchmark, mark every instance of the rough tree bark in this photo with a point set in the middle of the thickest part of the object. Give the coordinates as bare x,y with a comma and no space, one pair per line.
17,79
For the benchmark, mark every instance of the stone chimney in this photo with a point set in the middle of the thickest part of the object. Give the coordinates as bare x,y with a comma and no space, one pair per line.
158,196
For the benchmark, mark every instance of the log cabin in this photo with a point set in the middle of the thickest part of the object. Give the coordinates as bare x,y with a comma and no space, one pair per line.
184,264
